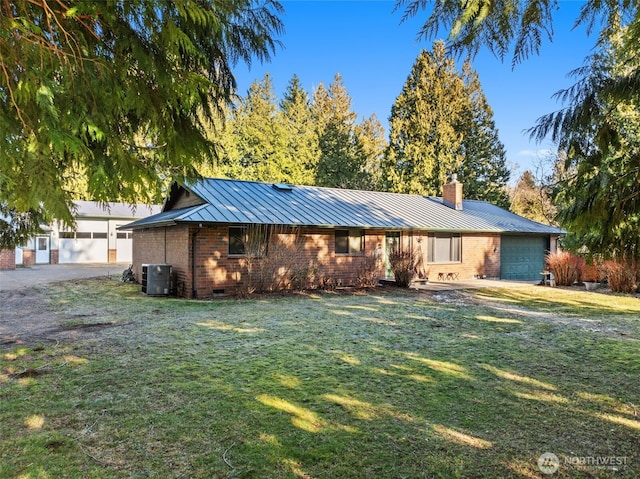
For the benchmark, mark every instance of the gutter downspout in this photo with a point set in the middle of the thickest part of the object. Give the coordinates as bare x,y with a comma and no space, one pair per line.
194,290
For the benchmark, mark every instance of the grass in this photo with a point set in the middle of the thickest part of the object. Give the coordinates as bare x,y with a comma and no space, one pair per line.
388,384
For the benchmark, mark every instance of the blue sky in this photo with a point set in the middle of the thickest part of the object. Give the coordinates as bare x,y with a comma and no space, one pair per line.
368,45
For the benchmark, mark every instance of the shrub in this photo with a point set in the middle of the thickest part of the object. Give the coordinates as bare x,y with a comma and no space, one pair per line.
368,270
621,277
272,254
304,276
566,267
404,265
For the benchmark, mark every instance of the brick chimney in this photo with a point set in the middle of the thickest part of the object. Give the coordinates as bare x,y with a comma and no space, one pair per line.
452,193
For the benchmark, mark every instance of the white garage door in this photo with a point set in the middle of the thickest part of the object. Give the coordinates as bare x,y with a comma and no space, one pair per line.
89,244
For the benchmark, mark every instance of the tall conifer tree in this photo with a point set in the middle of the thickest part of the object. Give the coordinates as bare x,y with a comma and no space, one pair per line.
340,163
301,135
441,124
484,169
424,143
260,138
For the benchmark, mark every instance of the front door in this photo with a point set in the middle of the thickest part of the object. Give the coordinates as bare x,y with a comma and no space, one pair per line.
42,250
391,243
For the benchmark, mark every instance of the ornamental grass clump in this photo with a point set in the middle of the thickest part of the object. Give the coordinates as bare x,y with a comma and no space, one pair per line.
622,278
566,267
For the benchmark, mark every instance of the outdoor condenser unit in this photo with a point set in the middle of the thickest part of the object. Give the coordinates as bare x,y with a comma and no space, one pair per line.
156,279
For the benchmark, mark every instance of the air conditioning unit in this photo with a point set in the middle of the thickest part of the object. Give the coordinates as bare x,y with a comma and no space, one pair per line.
156,279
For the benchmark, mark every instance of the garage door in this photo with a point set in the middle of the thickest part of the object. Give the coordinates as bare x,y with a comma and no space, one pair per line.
83,247
88,244
522,258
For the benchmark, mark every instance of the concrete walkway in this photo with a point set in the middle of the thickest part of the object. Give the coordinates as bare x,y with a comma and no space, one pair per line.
27,277
471,284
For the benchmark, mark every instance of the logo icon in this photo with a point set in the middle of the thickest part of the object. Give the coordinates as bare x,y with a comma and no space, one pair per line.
548,463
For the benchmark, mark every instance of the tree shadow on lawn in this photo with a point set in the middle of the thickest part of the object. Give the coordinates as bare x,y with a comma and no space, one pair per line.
344,386
436,405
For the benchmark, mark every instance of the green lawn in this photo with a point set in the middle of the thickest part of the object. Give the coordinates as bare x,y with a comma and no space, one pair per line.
385,384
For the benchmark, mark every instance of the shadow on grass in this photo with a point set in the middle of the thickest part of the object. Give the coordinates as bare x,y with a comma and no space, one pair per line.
381,386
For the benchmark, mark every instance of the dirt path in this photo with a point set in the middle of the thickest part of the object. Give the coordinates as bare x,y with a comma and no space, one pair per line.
27,320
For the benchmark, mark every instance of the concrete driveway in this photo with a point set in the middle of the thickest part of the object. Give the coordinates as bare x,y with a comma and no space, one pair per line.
26,277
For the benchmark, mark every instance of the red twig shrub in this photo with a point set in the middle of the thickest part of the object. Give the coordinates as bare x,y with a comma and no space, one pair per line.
566,267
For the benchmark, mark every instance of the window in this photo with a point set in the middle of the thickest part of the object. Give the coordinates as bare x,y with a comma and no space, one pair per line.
236,240
43,243
349,241
83,235
99,235
251,240
67,235
444,248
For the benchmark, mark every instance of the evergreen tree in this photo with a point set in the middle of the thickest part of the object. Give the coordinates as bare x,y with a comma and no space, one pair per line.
340,163
260,138
599,195
517,24
117,91
441,124
301,135
484,170
425,146
372,144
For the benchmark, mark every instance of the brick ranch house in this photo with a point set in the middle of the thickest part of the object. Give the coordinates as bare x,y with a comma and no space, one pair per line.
203,232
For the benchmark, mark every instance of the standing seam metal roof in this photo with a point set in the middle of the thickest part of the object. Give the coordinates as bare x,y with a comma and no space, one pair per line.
248,202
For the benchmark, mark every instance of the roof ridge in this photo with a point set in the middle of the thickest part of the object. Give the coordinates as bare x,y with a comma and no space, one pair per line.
316,187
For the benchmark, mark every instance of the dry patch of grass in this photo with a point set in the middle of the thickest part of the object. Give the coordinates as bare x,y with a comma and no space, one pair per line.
386,384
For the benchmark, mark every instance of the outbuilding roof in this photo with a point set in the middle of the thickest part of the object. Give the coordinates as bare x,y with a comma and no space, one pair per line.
95,209
249,202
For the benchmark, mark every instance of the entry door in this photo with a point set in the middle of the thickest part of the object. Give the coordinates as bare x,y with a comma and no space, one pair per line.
391,242
42,250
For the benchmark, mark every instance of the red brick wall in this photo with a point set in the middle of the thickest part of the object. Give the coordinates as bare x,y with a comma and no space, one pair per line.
217,271
112,256
166,245
8,259
54,256
480,257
